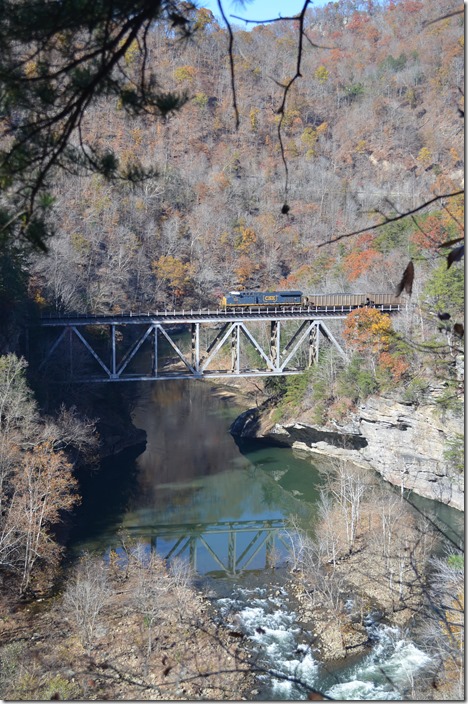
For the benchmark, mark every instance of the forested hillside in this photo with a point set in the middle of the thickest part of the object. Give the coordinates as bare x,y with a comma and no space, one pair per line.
372,127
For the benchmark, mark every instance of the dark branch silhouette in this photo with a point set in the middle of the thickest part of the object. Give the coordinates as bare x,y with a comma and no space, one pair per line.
231,63
444,17
370,228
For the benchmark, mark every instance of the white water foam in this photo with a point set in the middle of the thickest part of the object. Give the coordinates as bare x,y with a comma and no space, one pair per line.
269,624
387,673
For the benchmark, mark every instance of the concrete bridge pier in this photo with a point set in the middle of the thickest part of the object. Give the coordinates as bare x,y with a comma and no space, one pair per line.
235,349
275,343
196,346
314,338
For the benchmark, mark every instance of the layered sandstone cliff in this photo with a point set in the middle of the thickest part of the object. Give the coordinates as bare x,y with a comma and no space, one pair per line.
407,445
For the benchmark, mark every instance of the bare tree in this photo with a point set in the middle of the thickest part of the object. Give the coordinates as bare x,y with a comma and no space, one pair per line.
299,543
44,487
347,485
444,631
86,595
152,585
18,416
182,576
71,432
328,535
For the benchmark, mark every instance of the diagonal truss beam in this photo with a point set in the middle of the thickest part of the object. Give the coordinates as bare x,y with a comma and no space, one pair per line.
275,358
91,351
177,350
297,341
217,338
179,546
257,346
53,348
213,554
134,349
218,342
326,332
257,542
298,332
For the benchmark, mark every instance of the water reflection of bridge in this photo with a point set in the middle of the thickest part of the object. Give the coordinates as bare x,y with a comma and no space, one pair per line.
233,546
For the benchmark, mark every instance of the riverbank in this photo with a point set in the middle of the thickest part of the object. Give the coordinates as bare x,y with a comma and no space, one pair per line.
190,658
205,480
410,447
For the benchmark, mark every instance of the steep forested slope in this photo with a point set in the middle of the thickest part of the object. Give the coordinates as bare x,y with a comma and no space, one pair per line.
371,126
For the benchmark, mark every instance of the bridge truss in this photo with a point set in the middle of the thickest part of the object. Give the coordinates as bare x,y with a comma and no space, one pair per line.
184,345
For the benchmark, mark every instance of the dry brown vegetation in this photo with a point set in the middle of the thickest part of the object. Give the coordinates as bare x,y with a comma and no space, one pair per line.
372,125
121,632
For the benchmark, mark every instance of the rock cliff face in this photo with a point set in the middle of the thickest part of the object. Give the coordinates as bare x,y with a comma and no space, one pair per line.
406,445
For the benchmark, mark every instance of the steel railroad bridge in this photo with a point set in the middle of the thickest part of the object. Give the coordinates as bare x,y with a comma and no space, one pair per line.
217,343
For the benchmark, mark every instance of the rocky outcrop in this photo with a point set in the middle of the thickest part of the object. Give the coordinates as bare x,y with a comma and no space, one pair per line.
407,445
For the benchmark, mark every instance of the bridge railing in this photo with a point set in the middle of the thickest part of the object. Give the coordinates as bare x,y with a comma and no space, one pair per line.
387,308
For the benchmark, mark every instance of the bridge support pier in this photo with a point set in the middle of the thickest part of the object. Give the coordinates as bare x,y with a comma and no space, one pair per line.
314,338
154,360
235,349
70,350
275,343
196,346
114,352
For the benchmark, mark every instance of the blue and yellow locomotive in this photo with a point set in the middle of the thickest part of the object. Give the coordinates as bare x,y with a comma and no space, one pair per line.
262,298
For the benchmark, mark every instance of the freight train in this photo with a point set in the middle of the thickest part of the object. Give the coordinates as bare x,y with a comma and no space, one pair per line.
319,301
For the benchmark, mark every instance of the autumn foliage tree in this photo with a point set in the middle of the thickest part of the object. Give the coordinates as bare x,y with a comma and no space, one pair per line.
359,262
37,485
175,276
44,487
369,332
368,329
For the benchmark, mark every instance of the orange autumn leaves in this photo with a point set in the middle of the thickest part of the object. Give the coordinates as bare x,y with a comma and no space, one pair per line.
358,262
362,257
175,274
368,329
369,332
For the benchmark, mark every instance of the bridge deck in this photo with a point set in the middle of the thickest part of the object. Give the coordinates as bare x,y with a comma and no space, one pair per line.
205,316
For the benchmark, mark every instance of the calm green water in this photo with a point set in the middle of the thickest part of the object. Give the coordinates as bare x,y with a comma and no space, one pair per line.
194,489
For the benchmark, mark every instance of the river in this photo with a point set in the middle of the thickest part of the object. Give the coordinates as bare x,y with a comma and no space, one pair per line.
224,505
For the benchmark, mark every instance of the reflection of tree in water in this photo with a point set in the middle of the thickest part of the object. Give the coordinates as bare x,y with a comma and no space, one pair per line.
192,470
186,434
271,493
187,441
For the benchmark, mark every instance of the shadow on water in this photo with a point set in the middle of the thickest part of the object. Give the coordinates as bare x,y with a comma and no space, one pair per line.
193,492
195,483
105,493
448,522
